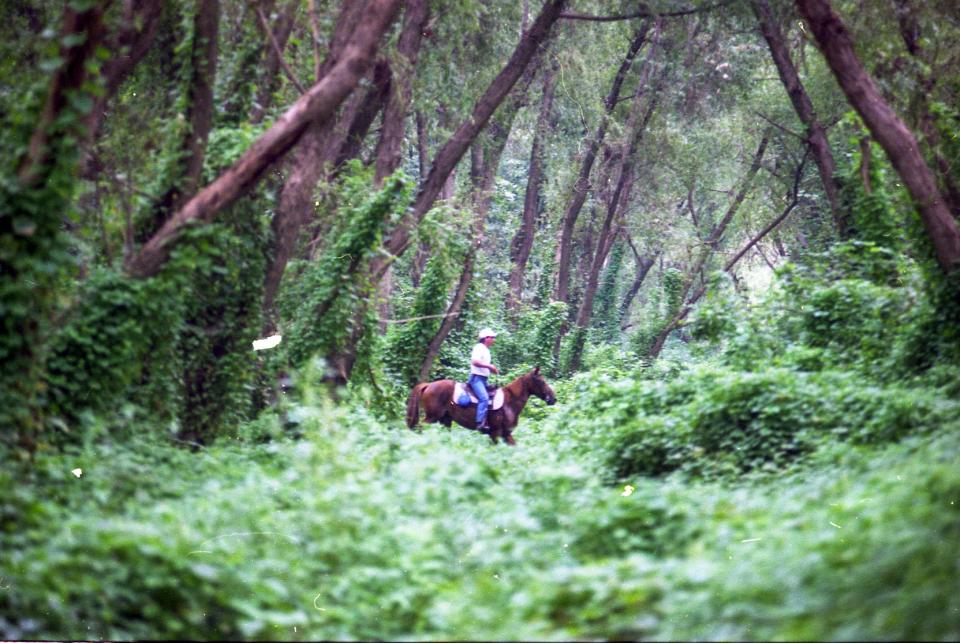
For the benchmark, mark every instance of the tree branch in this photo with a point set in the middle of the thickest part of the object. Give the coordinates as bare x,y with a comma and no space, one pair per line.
279,52
646,13
315,30
781,127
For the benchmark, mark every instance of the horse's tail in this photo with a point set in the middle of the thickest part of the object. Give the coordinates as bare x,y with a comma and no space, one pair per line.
413,404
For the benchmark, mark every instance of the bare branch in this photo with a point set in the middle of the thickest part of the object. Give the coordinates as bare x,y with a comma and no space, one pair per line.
315,30
781,127
410,319
279,52
646,13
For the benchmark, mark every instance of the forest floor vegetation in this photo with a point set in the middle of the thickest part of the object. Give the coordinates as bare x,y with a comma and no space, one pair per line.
362,529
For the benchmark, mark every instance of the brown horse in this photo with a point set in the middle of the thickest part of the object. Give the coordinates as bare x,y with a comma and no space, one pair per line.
438,406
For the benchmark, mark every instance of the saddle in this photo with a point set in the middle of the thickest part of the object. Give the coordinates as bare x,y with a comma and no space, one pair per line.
462,392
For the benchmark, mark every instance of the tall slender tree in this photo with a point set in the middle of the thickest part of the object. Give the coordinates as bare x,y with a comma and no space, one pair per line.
886,127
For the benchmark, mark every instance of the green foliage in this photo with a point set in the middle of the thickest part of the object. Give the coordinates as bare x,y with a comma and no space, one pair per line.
867,198
606,314
119,336
362,531
571,350
713,422
223,267
672,291
407,345
225,146
531,342
319,299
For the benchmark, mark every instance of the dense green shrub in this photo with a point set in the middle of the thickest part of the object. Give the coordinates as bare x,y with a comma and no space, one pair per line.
120,336
362,530
719,421
531,342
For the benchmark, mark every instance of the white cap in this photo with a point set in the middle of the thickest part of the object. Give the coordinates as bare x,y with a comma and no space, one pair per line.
485,332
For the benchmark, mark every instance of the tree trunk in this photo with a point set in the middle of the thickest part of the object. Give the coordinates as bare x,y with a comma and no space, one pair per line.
816,135
317,150
388,151
886,127
198,87
29,235
636,125
270,75
130,45
643,267
522,242
711,245
582,184
389,146
486,160
452,151
358,121
316,106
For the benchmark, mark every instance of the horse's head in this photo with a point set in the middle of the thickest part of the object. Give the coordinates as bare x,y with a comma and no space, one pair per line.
539,387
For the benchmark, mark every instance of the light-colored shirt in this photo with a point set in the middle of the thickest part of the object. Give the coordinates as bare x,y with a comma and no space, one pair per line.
480,354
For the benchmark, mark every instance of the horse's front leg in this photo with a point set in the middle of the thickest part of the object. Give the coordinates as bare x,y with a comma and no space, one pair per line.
508,438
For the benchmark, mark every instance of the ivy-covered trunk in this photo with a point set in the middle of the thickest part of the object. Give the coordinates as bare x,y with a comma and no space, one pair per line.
34,197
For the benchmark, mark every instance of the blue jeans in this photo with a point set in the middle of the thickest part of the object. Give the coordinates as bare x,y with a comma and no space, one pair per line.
478,384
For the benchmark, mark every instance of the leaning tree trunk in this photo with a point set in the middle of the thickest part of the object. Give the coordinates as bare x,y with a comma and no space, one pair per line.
307,165
816,134
484,175
317,105
886,127
711,245
582,185
522,243
453,150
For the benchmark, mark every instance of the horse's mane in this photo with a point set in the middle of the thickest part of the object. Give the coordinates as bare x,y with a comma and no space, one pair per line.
519,383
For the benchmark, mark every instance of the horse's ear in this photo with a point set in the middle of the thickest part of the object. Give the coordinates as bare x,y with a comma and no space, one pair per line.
536,371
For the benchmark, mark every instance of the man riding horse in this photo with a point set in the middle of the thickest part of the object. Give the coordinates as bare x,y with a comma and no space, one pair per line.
480,367
441,402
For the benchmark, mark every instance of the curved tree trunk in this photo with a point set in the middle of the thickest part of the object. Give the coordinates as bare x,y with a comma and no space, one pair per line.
316,106
453,150
886,127
522,242
816,135
582,185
